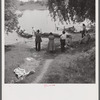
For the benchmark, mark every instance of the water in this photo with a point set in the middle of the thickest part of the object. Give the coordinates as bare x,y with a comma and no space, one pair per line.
40,19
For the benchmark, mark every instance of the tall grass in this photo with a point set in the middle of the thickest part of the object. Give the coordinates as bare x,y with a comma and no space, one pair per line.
79,68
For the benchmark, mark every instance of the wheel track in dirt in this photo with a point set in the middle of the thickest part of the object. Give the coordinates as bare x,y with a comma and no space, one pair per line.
44,70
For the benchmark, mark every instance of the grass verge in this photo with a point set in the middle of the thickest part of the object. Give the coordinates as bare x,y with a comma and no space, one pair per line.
76,68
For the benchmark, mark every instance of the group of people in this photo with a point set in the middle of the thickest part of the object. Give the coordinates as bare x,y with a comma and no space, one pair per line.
51,43
51,37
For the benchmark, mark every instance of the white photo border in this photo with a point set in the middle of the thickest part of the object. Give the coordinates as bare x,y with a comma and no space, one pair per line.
57,92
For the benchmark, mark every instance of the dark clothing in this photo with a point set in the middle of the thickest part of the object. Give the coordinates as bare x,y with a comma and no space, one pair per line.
38,46
62,45
63,42
38,37
83,33
38,41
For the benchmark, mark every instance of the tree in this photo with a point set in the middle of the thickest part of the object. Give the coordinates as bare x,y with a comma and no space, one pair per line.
10,16
74,10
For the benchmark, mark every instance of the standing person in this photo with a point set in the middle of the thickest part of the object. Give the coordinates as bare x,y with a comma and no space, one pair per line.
38,40
69,40
84,31
51,44
63,41
33,31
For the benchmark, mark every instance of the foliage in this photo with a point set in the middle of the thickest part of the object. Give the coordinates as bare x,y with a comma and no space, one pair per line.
72,10
10,16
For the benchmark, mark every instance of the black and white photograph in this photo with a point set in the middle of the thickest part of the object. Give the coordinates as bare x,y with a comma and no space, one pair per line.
50,42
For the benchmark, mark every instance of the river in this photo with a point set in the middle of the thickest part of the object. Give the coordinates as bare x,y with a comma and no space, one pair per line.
39,19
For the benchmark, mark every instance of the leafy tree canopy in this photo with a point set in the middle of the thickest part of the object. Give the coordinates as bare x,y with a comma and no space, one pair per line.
74,10
10,16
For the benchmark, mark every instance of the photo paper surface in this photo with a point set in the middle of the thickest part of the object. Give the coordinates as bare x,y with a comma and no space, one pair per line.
50,49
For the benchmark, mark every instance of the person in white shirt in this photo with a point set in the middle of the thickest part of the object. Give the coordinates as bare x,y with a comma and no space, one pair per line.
63,41
33,31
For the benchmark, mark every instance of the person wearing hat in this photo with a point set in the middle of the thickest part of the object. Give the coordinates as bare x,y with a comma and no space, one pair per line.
38,40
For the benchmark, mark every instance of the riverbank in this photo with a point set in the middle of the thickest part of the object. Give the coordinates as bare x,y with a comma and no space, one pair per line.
76,65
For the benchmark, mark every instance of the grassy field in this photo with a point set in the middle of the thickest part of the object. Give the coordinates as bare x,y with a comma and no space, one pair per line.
76,65
16,53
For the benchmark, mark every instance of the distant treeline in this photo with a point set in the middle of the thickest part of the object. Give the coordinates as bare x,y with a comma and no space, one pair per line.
32,2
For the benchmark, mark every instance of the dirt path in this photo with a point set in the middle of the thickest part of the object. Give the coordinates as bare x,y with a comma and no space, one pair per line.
15,55
45,68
